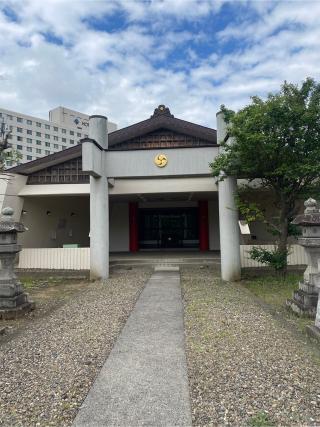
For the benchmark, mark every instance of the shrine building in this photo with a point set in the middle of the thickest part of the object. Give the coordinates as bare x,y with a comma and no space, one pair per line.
145,187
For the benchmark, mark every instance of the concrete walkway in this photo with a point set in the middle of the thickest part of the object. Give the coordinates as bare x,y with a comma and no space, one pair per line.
144,380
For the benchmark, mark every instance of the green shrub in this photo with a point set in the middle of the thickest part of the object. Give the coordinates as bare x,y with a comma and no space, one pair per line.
273,258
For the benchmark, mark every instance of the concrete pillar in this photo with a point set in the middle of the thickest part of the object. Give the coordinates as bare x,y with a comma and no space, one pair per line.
99,205
228,218
98,130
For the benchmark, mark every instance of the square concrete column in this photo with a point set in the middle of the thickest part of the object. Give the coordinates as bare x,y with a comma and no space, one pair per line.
99,228
228,218
94,161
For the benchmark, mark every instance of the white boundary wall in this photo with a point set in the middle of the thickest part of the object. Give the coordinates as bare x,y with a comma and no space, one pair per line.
296,256
79,258
55,258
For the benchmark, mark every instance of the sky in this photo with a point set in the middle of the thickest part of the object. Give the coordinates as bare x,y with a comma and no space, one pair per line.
122,58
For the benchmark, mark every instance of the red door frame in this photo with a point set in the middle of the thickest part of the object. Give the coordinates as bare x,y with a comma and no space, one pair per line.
133,227
203,225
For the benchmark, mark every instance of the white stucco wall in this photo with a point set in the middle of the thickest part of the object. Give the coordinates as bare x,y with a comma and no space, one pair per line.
128,186
140,163
59,227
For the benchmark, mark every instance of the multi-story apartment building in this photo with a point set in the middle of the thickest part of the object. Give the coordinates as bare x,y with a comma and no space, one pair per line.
33,137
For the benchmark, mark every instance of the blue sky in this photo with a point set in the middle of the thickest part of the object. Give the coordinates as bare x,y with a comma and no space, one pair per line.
124,57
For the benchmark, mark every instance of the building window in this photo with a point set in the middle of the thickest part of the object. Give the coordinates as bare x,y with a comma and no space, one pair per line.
38,142
29,132
47,144
29,149
38,124
55,146
29,122
19,119
63,131
71,141
19,130
19,147
38,133
79,135
71,132
29,140
63,147
64,140
55,128
38,150
19,138
86,136
55,138
29,157
47,152
47,136
9,136
9,116
47,126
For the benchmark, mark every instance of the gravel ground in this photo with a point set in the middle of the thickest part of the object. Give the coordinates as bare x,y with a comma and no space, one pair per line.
48,367
245,366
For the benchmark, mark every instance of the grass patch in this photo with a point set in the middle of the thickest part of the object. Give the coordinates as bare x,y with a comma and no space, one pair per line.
275,290
34,282
261,419
272,289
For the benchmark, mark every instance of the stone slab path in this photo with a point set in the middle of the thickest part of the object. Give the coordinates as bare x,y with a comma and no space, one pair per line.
144,380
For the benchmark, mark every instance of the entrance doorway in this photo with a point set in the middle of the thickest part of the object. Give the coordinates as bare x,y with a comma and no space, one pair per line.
168,228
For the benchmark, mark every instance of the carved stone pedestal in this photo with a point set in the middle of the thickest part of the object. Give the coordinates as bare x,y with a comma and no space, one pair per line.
13,300
304,301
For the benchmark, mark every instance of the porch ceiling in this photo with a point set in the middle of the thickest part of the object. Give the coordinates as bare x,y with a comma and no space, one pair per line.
172,197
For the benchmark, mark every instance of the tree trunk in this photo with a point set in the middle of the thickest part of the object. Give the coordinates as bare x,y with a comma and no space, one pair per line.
283,239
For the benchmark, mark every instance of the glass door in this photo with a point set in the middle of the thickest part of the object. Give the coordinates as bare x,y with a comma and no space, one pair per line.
168,228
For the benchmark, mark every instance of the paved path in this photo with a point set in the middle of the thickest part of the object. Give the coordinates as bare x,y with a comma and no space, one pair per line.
144,380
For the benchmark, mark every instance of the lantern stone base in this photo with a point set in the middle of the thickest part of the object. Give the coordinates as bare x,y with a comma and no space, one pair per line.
14,302
300,309
313,331
304,301
14,313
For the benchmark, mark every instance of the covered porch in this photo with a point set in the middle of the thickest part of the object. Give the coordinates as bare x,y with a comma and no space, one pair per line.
137,222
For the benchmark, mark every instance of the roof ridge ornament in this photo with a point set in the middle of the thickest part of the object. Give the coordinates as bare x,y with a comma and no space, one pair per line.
162,110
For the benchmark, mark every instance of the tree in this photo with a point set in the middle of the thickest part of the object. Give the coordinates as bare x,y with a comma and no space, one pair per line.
6,152
277,141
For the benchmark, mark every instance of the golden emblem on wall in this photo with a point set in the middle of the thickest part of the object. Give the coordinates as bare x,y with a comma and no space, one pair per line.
161,160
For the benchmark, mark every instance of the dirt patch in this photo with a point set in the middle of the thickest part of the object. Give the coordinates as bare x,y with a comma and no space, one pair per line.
245,366
48,293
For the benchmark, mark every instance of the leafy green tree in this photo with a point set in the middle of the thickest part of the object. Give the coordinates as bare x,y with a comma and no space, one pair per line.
6,151
277,141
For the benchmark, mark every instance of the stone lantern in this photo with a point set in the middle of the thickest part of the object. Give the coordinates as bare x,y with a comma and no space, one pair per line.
13,299
305,299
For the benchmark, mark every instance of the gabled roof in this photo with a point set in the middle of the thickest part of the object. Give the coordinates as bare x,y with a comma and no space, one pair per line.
161,119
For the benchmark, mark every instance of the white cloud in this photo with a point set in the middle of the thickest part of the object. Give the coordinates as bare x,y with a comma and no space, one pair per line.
143,61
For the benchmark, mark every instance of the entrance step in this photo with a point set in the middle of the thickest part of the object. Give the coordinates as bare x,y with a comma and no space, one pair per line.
167,261
165,268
